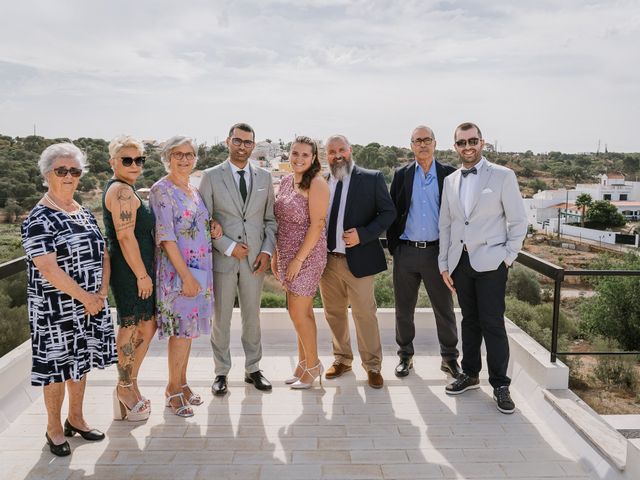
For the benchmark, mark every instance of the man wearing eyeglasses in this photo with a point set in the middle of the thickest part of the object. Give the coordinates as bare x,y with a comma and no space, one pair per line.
240,197
483,223
413,241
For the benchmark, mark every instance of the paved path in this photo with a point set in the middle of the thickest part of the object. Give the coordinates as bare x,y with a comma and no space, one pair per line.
408,430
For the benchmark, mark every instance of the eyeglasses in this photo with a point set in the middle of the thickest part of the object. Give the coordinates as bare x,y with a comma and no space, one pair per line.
180,155
472,142
63,171
420,141
238,141
128,161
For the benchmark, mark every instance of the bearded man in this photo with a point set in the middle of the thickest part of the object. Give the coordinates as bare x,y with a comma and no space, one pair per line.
360,209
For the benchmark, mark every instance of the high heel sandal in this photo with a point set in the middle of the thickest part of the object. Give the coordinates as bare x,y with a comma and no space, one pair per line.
142,397
182,411
293,378
194,398
121,411
298,385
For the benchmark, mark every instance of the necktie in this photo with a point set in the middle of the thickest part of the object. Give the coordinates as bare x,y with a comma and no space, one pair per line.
333,217
243,185
471,170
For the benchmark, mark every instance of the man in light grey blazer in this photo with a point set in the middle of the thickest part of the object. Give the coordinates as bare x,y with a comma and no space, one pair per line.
482,224
240,197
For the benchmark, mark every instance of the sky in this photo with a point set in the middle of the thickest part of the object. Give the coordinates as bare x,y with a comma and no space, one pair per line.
541,75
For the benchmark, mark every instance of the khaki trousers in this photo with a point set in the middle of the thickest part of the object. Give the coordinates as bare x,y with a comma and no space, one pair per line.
339,289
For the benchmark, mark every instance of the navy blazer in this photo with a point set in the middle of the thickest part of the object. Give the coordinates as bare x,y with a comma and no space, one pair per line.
370,211
401,192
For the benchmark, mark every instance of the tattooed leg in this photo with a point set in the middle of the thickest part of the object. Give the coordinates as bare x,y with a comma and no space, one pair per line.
126,343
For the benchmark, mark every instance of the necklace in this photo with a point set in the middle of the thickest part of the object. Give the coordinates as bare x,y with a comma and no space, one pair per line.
75,216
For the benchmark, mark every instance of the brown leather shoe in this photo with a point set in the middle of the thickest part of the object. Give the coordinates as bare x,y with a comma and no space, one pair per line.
337,369
375,379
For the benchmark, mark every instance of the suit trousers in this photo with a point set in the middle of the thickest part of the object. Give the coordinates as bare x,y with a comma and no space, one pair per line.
412,266
481,298
339,289
248,287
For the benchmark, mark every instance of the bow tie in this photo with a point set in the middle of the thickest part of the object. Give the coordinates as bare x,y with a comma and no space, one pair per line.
467,172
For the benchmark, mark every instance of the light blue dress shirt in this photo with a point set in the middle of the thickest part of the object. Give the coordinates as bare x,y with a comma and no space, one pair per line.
422,221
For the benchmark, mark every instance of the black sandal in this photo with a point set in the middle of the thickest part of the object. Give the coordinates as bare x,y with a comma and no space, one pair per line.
61,450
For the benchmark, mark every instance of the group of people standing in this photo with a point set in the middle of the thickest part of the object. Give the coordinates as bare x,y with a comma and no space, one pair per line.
167,261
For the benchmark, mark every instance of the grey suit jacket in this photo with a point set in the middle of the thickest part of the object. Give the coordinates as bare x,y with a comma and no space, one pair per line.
496,226
252,223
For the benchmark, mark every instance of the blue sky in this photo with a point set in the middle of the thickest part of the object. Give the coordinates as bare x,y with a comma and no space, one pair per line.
538,75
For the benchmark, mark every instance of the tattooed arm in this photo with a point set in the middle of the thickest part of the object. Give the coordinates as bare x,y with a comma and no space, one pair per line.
123,205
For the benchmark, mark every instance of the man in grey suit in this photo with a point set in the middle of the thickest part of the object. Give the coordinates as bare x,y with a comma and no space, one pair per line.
483,223
240,197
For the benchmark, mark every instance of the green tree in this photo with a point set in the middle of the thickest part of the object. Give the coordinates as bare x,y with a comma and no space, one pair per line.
604,214
523,285
13,210
583,201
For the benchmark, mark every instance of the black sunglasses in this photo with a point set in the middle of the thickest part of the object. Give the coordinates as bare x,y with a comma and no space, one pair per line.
238,141
472,141
63,171
128,161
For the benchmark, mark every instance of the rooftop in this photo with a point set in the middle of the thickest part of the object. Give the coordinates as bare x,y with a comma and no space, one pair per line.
408,430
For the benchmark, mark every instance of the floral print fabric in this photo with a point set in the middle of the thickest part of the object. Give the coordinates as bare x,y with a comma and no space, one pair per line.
182,218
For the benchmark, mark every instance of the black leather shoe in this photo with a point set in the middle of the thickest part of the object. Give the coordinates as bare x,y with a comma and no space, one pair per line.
406,364
219,386
451,367
61,450
93,434
258,380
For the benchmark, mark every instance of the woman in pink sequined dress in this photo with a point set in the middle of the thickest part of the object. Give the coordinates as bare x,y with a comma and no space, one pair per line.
301,251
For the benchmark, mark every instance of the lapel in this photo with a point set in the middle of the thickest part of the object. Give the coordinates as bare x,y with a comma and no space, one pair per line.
455,181
252,188
351,194
230,183
485,175
441,176
409,176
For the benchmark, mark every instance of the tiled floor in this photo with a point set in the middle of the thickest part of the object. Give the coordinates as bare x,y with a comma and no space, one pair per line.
408,430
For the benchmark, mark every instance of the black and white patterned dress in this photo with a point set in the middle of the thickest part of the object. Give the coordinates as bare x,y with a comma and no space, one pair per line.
66,343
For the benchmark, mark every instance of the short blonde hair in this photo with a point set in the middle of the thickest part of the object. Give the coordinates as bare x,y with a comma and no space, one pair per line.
123,141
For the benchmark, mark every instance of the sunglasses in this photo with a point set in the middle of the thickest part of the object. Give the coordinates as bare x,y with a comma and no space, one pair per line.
420,141
63,171
128,161
472,142
238,141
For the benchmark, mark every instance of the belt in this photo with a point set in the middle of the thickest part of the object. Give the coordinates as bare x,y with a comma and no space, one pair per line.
338,254
420,244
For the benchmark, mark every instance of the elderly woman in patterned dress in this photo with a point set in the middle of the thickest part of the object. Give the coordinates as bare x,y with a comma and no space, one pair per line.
184,267
301,251
68,277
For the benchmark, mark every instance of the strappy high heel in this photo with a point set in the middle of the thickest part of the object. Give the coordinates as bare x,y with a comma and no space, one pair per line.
142,397
293,378
183,410
121,411
298,385
194,398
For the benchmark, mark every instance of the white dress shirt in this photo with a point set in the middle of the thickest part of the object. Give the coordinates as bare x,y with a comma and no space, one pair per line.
333,182
468,186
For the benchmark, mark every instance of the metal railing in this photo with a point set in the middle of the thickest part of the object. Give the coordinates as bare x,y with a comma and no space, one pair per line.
557,274
12,267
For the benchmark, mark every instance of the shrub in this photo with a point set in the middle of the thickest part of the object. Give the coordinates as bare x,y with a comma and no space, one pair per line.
14,325
273,300
524,285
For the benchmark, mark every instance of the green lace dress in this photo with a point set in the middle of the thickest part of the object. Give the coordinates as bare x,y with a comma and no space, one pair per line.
124,285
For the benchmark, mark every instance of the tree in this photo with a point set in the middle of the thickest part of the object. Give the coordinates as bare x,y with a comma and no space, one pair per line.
13,210
523,285
604,214
583,201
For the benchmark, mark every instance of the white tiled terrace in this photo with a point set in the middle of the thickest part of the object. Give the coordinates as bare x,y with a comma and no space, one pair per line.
408,430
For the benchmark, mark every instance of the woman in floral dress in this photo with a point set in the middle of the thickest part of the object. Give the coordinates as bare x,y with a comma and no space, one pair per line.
184,267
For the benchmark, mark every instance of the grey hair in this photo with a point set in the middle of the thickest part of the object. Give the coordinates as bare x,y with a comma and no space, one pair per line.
60,150
123,141
433,135
337,137
173,142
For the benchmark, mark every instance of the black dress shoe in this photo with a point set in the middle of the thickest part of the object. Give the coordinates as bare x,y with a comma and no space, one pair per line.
61,450
451,367
219,386
406,364
258,380
93,434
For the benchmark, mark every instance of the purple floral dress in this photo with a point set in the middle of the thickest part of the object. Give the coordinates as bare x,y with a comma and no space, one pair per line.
184,219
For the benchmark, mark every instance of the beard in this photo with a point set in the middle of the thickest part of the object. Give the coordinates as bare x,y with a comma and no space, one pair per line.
341,167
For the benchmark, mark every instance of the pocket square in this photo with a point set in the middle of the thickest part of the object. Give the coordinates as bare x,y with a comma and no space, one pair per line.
487,190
